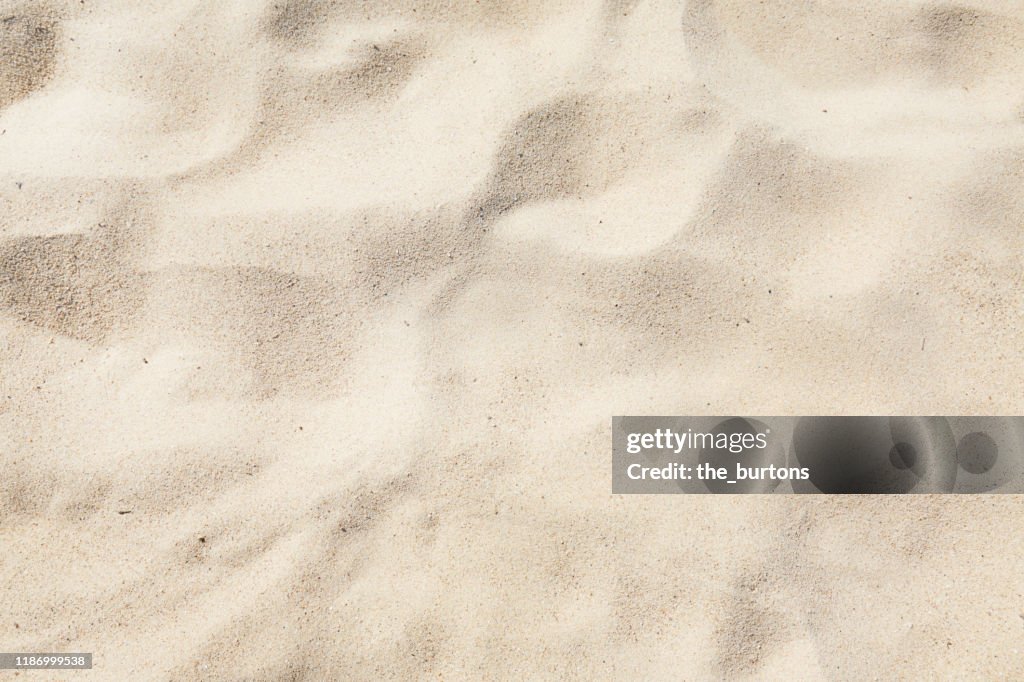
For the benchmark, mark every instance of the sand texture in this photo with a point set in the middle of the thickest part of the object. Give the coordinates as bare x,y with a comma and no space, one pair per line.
314,315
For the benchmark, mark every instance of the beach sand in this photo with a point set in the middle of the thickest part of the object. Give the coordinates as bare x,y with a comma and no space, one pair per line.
314,316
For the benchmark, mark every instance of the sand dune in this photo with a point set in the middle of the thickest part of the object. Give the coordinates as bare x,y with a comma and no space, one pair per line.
314,314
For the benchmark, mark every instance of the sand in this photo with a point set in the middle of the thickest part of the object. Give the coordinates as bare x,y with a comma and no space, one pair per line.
314,316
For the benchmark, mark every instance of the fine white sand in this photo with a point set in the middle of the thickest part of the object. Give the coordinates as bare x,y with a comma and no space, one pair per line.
314,315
